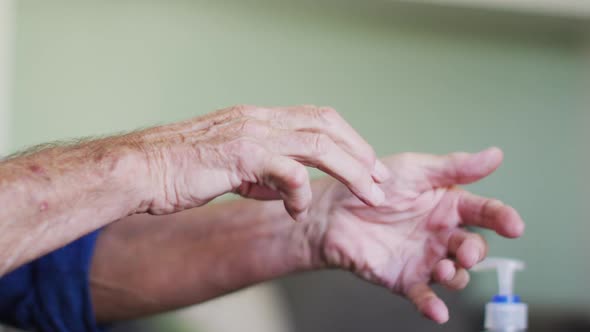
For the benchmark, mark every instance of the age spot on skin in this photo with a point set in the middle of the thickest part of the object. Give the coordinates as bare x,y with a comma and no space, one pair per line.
99,157
37,169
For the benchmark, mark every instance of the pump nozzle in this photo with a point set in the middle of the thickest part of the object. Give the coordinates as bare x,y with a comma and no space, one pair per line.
506,268
505,312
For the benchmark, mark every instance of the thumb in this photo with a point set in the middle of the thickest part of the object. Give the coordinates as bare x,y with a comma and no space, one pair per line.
462,168
291,180
428,303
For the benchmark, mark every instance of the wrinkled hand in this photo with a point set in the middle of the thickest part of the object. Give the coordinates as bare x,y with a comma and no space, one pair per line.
258,153
417,236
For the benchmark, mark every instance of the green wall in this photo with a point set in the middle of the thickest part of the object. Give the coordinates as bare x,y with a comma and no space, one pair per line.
408,78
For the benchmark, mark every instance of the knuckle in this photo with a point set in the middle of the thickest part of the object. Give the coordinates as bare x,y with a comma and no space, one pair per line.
327,114
309,108
297,177
252,127
320,144
242,109
245,156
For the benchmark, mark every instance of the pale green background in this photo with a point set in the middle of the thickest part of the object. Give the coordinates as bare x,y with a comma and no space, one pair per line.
408,78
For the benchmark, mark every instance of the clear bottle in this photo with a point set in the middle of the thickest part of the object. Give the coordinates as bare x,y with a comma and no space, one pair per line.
505,312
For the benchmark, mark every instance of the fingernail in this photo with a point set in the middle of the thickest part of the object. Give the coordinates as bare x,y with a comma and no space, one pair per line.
381,173
378,196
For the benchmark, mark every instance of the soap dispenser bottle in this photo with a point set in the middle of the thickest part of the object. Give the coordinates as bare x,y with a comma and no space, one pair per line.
505,312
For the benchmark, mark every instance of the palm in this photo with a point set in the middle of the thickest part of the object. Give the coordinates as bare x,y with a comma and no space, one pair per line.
397,244
401,244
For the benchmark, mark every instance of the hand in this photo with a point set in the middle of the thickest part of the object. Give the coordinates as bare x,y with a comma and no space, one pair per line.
258,153
417,236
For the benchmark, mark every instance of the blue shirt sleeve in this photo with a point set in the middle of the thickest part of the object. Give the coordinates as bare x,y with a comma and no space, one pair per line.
51,293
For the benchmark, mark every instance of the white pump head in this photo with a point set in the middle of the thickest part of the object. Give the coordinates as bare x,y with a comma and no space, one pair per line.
505,312
506,268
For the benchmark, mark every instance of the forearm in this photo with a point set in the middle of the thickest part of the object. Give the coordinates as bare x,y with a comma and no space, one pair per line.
60,193
145,265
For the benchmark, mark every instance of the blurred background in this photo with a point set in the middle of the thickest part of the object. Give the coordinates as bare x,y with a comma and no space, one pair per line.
422,76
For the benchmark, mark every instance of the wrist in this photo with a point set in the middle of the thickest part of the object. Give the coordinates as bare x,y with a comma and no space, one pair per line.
286,246
126,158
308,246
315,227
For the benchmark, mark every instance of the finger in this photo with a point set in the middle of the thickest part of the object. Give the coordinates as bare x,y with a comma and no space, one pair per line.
428,303
444,271
314,149
381,173
458,281
491,214
291,180
461,168
327,121
468,248
320,151
256,191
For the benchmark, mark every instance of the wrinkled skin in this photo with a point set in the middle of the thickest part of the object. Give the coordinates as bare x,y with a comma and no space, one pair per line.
397,223
417,235
257,152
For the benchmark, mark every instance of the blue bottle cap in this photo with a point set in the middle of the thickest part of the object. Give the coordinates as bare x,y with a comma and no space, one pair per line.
506,299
